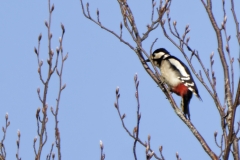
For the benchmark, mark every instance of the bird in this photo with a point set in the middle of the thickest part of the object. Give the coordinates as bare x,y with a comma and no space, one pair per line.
177,76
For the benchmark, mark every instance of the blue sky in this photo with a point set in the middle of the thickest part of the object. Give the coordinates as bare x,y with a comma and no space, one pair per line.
97,64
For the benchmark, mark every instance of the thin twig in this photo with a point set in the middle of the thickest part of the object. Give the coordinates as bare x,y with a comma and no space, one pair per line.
153,45
236,21
227,45
61,88
136,129
4,129
160,150
228,95
18,145
116,104
41,124
50,154
102,156
89,17
34,146
215,138
177,156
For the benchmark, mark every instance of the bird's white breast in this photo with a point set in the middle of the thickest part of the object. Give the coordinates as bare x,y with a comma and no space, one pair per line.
171,76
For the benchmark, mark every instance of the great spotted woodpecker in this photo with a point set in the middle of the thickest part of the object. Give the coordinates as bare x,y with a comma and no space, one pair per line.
177,76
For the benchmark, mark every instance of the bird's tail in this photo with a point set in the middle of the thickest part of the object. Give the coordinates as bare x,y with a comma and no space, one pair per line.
185,104
197,95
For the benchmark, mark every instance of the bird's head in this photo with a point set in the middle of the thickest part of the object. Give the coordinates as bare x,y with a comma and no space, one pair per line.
158,55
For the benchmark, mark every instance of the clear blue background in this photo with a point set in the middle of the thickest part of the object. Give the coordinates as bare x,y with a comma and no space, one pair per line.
97,64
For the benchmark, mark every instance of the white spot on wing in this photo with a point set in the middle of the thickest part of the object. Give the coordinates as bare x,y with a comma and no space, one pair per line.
190,84
179,66
184,78
190,89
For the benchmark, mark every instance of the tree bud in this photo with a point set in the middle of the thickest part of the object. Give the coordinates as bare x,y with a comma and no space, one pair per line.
35,140
97,12
6,116
46,24
160,148
40,37
101,144
35,50
174,23
149,137
63,28
52,8
18,133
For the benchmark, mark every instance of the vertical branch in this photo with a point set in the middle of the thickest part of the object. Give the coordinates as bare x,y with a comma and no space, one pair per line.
220,146
149,155
237,98
153,8
232,135
227,86
3,153
228,93
116,104
227,45
41,122
213,73
160,150
177,156
18,145
51,154
34,146
102,156
136,129
236,22
61,88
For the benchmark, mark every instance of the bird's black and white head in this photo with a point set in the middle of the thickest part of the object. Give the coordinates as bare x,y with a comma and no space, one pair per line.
158,55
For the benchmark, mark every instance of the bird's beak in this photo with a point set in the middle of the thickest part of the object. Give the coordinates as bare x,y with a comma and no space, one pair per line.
147,60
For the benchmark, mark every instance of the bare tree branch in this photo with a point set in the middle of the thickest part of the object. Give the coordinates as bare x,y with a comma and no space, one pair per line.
136,139
136,129
102,156
231,60
228,94
228,136
112,32
49,156
52,67
18,145
61,88
177,156
3,153
236,21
